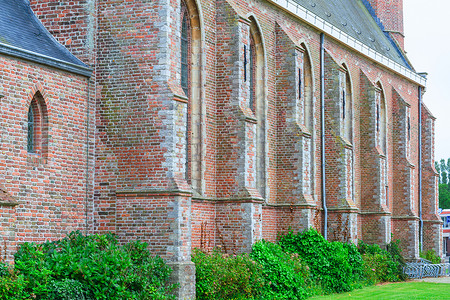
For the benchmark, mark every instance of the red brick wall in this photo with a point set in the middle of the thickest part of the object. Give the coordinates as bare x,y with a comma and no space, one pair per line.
204,229
72,23
390,13
50,189
141,123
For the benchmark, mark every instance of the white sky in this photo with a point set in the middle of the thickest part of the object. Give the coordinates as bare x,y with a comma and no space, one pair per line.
427,43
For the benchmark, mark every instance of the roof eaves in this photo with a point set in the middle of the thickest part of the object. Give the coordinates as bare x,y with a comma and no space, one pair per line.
322,25
45,60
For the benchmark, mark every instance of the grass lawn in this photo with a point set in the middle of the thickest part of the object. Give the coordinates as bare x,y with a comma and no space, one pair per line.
397,291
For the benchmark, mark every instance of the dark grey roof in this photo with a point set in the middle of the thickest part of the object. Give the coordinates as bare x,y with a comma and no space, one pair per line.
356,18
23,35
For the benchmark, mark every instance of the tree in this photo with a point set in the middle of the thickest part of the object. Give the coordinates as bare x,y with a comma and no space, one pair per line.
443,169
444,196
438,169
444,172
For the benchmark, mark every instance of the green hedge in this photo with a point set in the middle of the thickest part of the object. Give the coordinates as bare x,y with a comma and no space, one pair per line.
336,266
86,267
299,266
287,277
382,265
223,276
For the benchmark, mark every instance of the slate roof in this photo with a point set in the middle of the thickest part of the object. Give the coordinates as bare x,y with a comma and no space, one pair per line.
357,19
23,35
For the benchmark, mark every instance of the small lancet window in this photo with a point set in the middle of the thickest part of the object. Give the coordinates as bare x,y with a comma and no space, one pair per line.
409,128
245,63
30,131
343,104
378,117
300,83
185,53
37,126
252,63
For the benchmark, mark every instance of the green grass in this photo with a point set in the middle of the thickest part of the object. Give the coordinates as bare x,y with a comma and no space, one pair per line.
397,291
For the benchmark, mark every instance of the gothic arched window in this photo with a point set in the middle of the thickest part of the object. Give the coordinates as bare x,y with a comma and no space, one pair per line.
257,101
252,65
305,82
191,82
30,131
381,120
37,126
347,107
185,50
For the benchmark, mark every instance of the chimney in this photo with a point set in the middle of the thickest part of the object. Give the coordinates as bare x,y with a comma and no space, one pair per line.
390,12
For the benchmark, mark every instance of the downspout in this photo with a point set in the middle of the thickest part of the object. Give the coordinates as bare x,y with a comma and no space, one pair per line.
420,171
322,130
87,152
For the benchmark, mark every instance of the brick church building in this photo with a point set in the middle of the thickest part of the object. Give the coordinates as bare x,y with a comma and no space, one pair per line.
213,123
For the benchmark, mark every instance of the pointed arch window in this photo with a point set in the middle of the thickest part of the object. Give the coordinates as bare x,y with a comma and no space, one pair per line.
306,90
37,126
252,75
185,50
300,82
343,104
257,101
378,117
30,131
381,119
409,129
191,81
347,107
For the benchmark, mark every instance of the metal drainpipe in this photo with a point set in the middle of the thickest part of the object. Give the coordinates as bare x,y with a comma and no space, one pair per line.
322,130
87,151
420,171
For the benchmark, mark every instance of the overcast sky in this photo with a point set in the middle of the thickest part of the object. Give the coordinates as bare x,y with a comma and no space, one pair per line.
427,43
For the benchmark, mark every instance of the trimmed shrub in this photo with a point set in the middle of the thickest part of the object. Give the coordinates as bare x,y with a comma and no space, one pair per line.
223,276
335,266
95,266
286,276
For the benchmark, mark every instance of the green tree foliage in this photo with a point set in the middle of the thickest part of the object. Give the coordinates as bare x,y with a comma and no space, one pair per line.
438,169
444,196
443,169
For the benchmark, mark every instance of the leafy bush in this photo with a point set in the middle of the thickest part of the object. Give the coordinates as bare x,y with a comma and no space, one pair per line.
67,289
4,269
382,265
431,256
356,262
223,276
95,266
286,276
13,287
335,266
